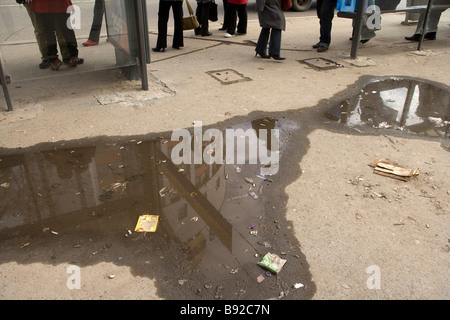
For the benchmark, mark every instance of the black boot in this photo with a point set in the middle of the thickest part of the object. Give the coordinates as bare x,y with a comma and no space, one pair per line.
416,36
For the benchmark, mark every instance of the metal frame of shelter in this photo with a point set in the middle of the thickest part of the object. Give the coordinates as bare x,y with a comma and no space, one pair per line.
135,16
358,18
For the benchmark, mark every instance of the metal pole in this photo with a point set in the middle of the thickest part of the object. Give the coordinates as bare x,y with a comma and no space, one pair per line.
357,28
425,24
4,80
142,47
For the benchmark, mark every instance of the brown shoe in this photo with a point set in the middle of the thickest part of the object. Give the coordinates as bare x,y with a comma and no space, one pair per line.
55,64
73,62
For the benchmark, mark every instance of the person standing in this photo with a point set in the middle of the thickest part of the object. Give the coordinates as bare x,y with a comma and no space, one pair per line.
325,13
40,39
432,25
224,24
239,8
94,34
51,15
202,13
272,21
163,18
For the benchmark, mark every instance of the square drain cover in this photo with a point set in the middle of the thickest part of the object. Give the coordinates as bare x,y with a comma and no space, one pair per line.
228,76
321,63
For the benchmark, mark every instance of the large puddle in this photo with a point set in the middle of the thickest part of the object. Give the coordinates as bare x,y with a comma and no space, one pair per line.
80,203
399,104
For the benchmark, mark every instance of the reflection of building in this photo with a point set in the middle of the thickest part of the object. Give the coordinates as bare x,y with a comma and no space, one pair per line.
404,103
68,187
209,180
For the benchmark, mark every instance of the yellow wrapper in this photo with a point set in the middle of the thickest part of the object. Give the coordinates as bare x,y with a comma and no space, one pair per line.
147,223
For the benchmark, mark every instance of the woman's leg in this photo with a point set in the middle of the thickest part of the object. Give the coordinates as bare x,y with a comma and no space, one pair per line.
163,18
261,45
177,7
275,42
242,14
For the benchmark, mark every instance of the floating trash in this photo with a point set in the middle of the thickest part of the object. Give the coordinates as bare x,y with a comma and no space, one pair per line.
147,223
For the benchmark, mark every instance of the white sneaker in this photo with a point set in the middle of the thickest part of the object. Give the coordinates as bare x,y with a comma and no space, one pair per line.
228,35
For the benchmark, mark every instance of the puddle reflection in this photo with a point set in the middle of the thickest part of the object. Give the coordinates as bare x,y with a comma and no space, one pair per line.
99,192
403,104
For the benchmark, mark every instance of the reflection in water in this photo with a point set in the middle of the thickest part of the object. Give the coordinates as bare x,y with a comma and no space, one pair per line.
411,105
99,191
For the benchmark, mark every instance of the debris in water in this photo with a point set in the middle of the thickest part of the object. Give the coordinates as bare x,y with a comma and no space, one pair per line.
298,285
254,195
147,223
250,180
272,262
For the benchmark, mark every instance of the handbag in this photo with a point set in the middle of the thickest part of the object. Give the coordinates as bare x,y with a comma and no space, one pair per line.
191,21
213,12
286,4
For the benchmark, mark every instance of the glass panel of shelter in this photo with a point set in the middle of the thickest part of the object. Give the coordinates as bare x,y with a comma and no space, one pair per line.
22,55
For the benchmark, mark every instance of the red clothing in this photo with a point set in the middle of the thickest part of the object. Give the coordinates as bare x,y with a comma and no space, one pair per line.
238,1
50,6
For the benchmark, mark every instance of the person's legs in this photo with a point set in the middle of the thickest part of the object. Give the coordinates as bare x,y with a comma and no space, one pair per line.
243,18
177,7
261,45
40,37
275,43
432,26
326,15
204,19
231,16
163,18
69,36
47,22
99,10
224,25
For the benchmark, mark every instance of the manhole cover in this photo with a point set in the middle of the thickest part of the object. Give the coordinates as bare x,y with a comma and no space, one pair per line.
321,63
228,76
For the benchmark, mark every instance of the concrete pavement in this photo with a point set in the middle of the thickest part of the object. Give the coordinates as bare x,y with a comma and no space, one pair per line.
339,247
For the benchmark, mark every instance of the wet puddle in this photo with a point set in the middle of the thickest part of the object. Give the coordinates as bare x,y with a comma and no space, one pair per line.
408,105
79,203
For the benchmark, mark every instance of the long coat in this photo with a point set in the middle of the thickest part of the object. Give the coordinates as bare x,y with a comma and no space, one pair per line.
270,14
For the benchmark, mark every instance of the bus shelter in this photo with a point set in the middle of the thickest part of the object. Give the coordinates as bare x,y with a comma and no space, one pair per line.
124,42
361,10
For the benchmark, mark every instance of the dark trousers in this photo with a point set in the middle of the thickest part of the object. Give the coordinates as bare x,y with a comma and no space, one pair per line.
325,13
202,13
274,43
49,23
233,12
99,10
40,38
225,4
163,18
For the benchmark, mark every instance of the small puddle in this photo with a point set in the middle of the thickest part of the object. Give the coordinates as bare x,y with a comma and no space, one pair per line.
409,105
79,203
